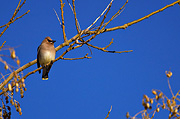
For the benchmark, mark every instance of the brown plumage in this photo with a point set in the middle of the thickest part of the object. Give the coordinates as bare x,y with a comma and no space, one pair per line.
46,53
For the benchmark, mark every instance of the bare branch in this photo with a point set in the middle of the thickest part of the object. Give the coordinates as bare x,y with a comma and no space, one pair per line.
135,21
103,49
86,56
2,44
14,15
115,14
77,36
109,112
57,17
76,21
62,17
100,15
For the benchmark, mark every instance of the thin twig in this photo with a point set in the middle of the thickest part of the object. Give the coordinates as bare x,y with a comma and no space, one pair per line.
14,15
102,49
119,11
57,17
98,30
109,112
135,21
2,45
78,58
76,21
100,15
170,87
62,18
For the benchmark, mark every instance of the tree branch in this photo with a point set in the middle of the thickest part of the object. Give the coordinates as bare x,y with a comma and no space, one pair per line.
135,21
62,17
14,15
77,36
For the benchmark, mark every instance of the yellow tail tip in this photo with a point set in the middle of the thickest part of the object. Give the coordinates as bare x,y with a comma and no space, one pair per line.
44,78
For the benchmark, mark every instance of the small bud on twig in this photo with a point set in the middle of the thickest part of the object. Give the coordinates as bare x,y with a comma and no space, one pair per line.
157,109
168,74
154,92
9,87
18,62
6,67
13,55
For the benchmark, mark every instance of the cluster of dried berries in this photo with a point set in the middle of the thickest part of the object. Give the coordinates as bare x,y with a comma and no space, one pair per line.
16,85
14,57
162,101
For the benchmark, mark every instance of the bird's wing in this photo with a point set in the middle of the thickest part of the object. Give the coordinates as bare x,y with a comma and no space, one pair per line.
38,64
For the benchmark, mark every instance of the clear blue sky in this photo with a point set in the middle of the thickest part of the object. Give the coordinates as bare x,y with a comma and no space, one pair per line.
85,89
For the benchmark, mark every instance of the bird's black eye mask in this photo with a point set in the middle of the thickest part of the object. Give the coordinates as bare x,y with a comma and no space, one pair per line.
51,41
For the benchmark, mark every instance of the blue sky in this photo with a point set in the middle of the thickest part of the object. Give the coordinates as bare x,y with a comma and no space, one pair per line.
87,88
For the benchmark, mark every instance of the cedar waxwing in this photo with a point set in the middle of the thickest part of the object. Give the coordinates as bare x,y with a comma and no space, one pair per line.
45,54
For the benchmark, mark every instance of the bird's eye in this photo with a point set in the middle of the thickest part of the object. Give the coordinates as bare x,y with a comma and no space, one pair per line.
48,40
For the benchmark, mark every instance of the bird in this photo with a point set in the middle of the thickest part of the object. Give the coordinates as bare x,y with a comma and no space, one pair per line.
45,54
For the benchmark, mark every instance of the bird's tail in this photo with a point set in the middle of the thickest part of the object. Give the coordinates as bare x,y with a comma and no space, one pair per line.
46,70
45,73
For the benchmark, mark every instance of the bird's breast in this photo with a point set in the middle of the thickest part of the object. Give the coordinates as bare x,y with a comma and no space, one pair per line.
46,57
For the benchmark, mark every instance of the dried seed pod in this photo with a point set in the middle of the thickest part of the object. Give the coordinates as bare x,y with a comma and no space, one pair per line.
23,85
20,113
9,108
18,104
151,101
6,98
163,106
170,115
147,105
147,98
12,102
25,89
22,80
171,108
22,95
175,110
18,62
13,55
19,109
17,89
21,91
157,109
160,95
15,104
17,85
127,115
157,97
6,67
154,92
168,74
9,87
